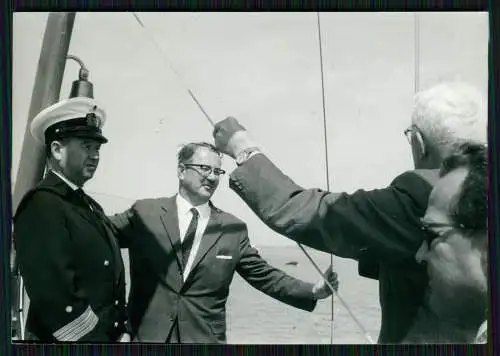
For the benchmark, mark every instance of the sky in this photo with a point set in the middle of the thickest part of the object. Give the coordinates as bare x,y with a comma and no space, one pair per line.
263,69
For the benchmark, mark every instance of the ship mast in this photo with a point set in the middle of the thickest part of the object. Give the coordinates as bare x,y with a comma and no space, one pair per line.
46,91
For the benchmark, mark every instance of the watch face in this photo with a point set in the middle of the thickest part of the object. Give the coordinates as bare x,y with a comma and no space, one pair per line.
241,157
246,154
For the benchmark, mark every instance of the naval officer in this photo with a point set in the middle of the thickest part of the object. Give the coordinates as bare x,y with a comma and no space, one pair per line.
71,264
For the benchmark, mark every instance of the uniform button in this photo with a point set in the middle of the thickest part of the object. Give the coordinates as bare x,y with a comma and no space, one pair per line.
69,309
106,262
116,324
116,302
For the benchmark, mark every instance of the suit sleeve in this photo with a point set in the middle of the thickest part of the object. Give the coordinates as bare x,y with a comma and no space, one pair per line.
45,253
122,227
272,281
383,222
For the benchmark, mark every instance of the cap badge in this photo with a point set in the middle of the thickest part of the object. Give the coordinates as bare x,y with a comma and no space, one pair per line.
92,119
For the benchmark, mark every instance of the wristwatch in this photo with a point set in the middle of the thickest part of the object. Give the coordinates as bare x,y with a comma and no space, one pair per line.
244,155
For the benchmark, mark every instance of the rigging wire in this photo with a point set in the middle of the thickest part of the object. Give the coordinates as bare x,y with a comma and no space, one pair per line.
122,197
365,332
181,79
416,53
332,319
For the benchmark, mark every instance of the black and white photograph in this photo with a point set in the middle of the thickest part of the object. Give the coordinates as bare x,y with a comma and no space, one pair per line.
250,177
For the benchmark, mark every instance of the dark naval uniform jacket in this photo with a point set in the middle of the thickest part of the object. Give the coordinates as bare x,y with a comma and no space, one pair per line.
71,266
380,228
160,299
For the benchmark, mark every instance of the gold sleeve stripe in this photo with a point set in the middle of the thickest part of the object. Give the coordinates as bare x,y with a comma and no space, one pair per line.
79,327
482,334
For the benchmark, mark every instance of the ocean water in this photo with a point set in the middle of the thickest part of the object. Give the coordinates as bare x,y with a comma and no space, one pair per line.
255,318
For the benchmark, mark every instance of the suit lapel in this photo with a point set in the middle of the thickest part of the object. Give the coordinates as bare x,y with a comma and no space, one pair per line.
213,233
170,222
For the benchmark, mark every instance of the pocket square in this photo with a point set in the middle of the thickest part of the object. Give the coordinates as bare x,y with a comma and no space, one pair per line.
224,257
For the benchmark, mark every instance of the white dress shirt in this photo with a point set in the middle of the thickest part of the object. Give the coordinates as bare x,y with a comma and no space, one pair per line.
184,216
70,183
65,180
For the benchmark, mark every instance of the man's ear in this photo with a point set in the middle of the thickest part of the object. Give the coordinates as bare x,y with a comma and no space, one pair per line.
57,150
180,171
418,145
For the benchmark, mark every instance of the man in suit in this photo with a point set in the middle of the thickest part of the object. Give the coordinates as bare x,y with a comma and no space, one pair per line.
380,228
183,254
456,253
69,260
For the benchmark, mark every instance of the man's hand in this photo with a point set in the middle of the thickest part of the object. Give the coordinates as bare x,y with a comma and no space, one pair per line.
230,137
321,289
125,337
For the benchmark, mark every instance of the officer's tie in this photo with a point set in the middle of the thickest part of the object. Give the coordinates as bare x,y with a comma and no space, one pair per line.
86,199
187,243
91,205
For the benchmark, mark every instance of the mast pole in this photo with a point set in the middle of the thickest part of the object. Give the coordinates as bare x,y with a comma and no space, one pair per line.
46,91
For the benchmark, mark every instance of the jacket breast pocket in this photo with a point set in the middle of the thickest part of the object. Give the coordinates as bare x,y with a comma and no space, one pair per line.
218,327
219,271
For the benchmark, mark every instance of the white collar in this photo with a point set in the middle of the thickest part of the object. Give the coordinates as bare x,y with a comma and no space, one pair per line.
65,180
183,207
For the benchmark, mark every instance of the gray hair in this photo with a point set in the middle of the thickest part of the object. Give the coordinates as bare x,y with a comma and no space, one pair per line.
450,114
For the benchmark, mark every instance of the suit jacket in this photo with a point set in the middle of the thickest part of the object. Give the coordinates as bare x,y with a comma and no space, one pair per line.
71,266
158,294
430,328
380,228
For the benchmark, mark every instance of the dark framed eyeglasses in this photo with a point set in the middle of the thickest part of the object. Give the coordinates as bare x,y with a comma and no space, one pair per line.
205,170
432,235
